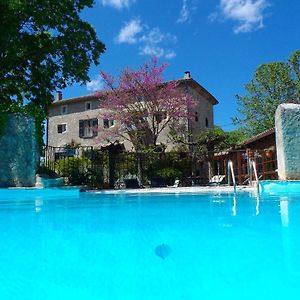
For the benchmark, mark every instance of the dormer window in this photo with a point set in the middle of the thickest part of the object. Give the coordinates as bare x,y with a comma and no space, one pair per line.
64,109
88,105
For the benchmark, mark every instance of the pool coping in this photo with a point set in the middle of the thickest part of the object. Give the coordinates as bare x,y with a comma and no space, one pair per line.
176,190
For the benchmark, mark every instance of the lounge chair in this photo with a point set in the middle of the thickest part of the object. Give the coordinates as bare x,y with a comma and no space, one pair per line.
176,184
131,183
217,179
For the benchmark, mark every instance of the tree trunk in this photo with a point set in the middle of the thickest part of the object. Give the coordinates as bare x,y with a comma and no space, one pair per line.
210,165
210,169
139,169
112,169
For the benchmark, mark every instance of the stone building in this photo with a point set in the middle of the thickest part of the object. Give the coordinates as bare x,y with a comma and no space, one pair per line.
73,120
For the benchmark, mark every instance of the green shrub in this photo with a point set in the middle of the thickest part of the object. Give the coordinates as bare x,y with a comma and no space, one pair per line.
169,174
44,170
76,169
166,167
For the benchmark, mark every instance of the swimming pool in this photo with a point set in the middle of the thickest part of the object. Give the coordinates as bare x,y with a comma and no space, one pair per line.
62,244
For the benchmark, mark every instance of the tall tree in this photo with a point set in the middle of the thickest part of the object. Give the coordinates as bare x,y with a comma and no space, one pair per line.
44,45
208,142
142,105
272,84
294,62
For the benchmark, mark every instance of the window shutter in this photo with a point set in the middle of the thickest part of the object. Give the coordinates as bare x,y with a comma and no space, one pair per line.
81,128
95,127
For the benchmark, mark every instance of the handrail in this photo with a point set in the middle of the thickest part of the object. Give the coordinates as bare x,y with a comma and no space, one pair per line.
230,171
252,170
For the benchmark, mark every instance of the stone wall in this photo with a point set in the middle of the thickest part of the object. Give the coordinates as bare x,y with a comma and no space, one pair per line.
287,124
18,152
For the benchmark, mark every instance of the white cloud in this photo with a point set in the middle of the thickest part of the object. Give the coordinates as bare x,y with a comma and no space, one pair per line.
95,84
170,54
184,13
129,32
119,4
152,42
155,36
248,13
157,51
152,51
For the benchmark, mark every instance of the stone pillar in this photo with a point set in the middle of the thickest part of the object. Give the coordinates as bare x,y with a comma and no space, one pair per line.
287,125
18,152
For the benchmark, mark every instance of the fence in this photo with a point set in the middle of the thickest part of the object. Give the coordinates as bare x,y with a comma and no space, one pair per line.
79,166
108,169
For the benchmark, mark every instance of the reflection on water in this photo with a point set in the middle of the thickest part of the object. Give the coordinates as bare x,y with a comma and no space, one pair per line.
234,206
284,211
257,205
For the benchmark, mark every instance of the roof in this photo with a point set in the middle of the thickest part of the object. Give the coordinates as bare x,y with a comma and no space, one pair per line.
95,96
258,136
243,145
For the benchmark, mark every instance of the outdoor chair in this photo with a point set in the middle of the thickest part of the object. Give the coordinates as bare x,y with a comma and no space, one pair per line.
131,183
176,184
157,182
217,179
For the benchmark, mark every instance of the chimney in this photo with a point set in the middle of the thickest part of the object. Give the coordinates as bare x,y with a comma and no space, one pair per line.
58,95
187,75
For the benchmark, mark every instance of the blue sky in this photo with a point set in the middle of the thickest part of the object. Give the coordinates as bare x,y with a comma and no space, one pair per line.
221,42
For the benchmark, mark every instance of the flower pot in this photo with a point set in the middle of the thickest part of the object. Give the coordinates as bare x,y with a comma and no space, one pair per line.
269,153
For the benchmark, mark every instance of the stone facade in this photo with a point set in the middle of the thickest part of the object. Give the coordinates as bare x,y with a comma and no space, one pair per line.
18,152
68,114
287,124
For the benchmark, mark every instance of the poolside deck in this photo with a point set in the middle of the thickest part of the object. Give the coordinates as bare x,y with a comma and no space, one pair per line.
195,189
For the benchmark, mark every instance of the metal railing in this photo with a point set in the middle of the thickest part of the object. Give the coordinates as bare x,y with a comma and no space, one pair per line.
231,172
253,170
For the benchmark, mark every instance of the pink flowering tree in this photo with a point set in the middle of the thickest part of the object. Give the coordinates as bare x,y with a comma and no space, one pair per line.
142,105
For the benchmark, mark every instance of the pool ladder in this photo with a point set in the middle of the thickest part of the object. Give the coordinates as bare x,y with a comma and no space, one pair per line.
230,172
253,170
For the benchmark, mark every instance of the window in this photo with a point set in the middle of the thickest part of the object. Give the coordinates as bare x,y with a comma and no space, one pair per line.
108,123
88,128
61,128
64,109
88,105
196,117
206,122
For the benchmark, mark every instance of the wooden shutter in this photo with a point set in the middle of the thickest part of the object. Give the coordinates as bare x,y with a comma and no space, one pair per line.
81,128
95,127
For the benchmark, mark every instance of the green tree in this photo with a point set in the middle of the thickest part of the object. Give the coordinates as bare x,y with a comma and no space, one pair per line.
44,45
205,144
272,84
235,137
208,142
294,62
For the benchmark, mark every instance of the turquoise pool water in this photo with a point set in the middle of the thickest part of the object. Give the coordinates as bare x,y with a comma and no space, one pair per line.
58,244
